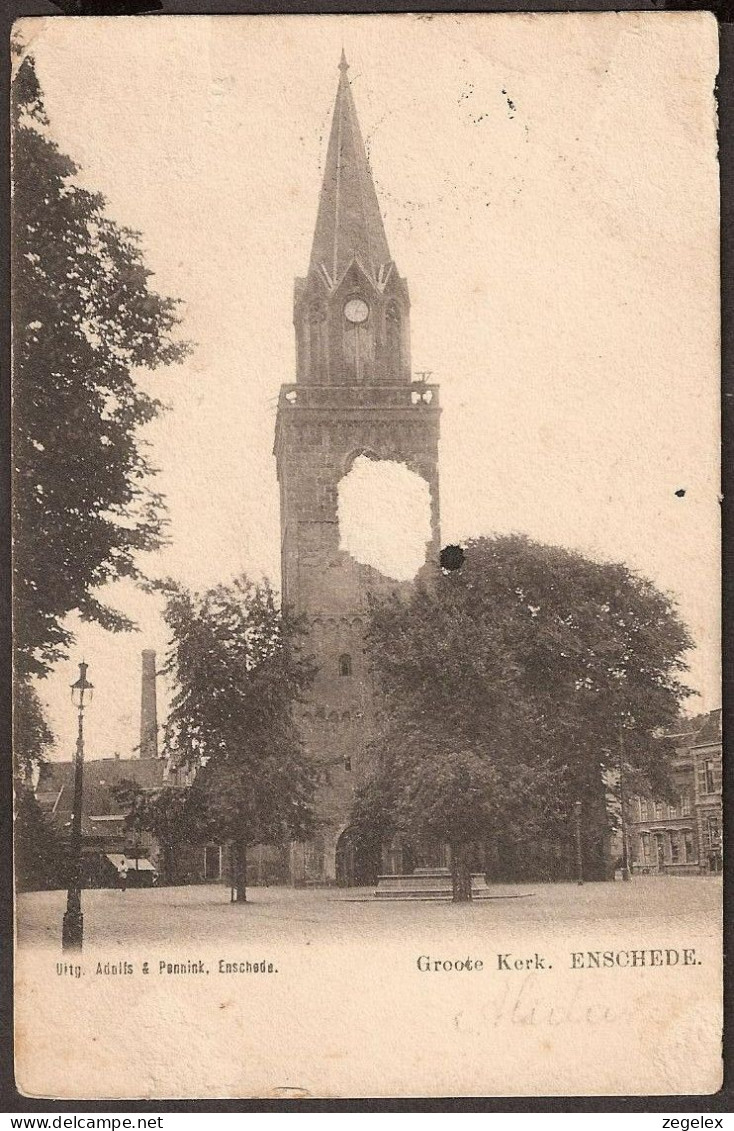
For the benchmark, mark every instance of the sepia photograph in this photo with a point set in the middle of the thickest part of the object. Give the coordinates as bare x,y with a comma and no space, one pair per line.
366,556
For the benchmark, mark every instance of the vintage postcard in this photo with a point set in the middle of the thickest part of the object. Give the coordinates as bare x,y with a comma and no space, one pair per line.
366,539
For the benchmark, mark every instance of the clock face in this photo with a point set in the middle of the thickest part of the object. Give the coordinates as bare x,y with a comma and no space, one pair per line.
356,310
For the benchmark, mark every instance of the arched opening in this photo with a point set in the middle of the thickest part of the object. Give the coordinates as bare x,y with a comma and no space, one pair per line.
345,664
357,865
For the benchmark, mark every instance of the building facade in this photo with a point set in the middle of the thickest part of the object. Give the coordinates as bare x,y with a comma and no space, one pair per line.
111,838
107,836
683,836
706,756
353,396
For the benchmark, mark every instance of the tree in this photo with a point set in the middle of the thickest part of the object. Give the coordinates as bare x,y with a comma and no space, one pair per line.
167,815
167,812
39,851
131,797
445,796
84,320
505,687
238,671
31,734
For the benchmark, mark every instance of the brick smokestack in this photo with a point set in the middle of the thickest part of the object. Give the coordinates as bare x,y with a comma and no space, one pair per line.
148,708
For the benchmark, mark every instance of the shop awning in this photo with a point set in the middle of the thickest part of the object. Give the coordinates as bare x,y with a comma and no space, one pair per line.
118,860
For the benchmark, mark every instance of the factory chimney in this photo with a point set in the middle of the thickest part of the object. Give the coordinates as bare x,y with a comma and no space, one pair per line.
148,709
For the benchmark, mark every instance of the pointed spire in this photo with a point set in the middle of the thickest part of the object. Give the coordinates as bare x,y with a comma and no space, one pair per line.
349,223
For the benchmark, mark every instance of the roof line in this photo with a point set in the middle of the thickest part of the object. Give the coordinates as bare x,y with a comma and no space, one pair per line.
338,181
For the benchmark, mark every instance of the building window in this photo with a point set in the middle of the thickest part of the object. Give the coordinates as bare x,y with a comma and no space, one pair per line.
688,842
347,763
685,805
645,841
709,771
712,844
709,777
712,832
345,664
643,809
674,848
658,810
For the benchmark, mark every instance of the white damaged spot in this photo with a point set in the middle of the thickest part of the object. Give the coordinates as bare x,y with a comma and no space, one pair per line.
385,517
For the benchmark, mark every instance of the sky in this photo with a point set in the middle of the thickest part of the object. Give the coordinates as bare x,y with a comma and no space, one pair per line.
549,188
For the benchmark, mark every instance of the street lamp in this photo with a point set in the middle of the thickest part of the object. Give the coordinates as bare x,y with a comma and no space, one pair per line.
72,932
622,804
579,855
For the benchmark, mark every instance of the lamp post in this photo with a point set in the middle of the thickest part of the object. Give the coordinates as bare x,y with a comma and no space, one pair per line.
622,802
72,932
579,855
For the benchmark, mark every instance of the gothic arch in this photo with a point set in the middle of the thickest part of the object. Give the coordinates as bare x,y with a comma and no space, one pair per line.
355,864
354,454
383,452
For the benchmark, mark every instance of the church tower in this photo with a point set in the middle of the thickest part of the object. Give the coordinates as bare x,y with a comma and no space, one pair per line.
353,395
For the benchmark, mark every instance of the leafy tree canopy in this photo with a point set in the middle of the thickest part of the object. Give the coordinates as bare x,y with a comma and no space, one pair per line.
40,854
514,686
169,812
31,733
39,850
84,320
238,671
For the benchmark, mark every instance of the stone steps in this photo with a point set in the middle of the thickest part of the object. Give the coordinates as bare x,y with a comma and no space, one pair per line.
428,884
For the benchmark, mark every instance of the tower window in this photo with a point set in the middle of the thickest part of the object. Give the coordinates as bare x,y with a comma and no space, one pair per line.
317,315
345,664
394,344
347,763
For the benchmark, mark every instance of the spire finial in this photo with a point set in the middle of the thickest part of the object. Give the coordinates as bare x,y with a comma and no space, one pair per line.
349,223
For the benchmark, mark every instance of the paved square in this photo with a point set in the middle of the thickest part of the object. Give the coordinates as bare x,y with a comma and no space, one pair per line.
179,992
644,907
